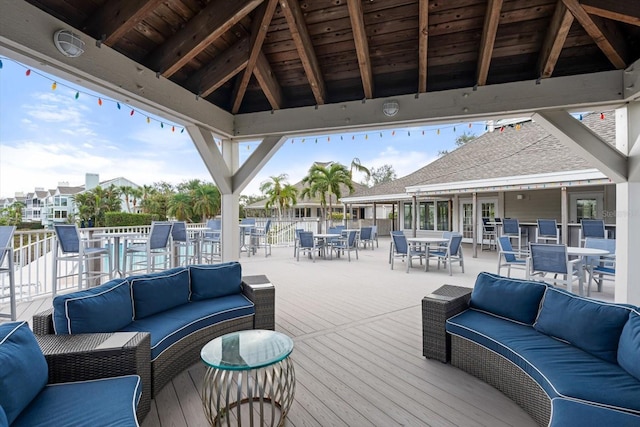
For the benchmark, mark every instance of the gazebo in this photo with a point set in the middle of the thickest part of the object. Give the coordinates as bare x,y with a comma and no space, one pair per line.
275,69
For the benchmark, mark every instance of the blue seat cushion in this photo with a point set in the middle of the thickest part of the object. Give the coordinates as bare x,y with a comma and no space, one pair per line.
103,402
23,368
3,418
561,369
513,299
105,308
171,326
217,280
157,292
594,326
569,413
629,346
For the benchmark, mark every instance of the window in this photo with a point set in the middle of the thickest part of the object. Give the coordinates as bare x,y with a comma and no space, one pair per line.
443,215
408,217
587,209
427,216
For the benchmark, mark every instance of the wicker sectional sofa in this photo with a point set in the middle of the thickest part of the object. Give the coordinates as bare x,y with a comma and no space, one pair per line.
567,360
182,309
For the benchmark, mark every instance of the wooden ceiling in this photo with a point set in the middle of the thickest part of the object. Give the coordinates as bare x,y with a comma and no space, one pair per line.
261,55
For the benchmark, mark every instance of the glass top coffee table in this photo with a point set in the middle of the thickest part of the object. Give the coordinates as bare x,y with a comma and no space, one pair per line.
249,378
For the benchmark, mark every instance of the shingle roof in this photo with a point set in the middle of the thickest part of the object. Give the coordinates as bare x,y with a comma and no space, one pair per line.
70,190
525,150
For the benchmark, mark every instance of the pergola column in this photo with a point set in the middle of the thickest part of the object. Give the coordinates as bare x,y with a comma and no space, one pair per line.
231,205
628,207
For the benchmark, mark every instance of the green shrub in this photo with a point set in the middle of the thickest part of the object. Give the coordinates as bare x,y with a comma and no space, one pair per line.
126,219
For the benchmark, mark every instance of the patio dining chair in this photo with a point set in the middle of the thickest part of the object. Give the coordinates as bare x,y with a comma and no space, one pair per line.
185,249
489,233
400,248
296,240
366,237
86,257
509,258
150,248
547,231
260,238
511,228
374,235
346,244
6,267
604,267
308,245
592,228
210,245
549,259
452,254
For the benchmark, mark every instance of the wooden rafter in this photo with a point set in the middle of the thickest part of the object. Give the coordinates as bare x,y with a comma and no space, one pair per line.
362,46
221,69
489,31
554,41
627,12
267,81
423,38
259,28
213,21
302,40
608,40
116,18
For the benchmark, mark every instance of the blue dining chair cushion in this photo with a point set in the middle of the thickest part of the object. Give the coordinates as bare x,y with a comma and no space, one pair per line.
213,281
157,292
629,346
514,299
23,368
590,325
105,308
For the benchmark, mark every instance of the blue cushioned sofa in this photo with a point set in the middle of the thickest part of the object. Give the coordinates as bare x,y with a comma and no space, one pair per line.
567,360
182,309
28,397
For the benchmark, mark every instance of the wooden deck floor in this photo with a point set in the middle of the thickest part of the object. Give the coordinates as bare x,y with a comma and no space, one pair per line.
358,348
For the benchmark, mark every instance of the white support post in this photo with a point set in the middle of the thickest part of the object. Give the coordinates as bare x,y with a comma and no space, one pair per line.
628,212
414,217
230,206
474,229
564,216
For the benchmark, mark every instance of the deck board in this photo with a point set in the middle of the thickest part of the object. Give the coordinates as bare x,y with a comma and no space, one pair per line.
358,348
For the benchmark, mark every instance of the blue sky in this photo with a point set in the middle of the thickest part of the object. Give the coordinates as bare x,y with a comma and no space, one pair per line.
49,136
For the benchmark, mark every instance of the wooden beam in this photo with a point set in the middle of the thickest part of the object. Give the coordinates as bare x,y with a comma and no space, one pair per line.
554,40
302,40
116,18
268,82
213,21
423,38
584,143
362,46
221,69
609,41
259,28
489,31
616,10
213,160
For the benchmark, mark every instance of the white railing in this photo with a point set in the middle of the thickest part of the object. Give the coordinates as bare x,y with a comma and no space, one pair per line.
33,255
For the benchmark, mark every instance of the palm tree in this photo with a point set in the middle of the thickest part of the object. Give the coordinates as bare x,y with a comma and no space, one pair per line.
323,180
279,193
127,192
206,201
357,165
180,206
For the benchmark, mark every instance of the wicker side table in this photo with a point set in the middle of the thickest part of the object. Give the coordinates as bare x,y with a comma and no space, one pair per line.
92,356
444,302
261,291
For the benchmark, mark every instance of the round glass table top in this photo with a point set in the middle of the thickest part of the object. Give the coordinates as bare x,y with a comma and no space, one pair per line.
244,350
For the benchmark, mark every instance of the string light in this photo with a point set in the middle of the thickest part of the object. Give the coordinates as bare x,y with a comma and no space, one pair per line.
148,119
27,73
601,116
100,102
77,95
54,85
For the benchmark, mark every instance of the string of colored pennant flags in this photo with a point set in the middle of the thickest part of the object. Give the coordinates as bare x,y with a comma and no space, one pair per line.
349,136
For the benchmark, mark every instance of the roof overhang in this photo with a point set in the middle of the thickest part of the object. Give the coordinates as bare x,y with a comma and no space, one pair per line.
382,198
514,183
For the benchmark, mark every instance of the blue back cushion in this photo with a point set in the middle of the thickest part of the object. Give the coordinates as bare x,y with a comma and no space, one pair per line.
23,368
157,292
217,280
629,346
514,299
105,308
591,325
